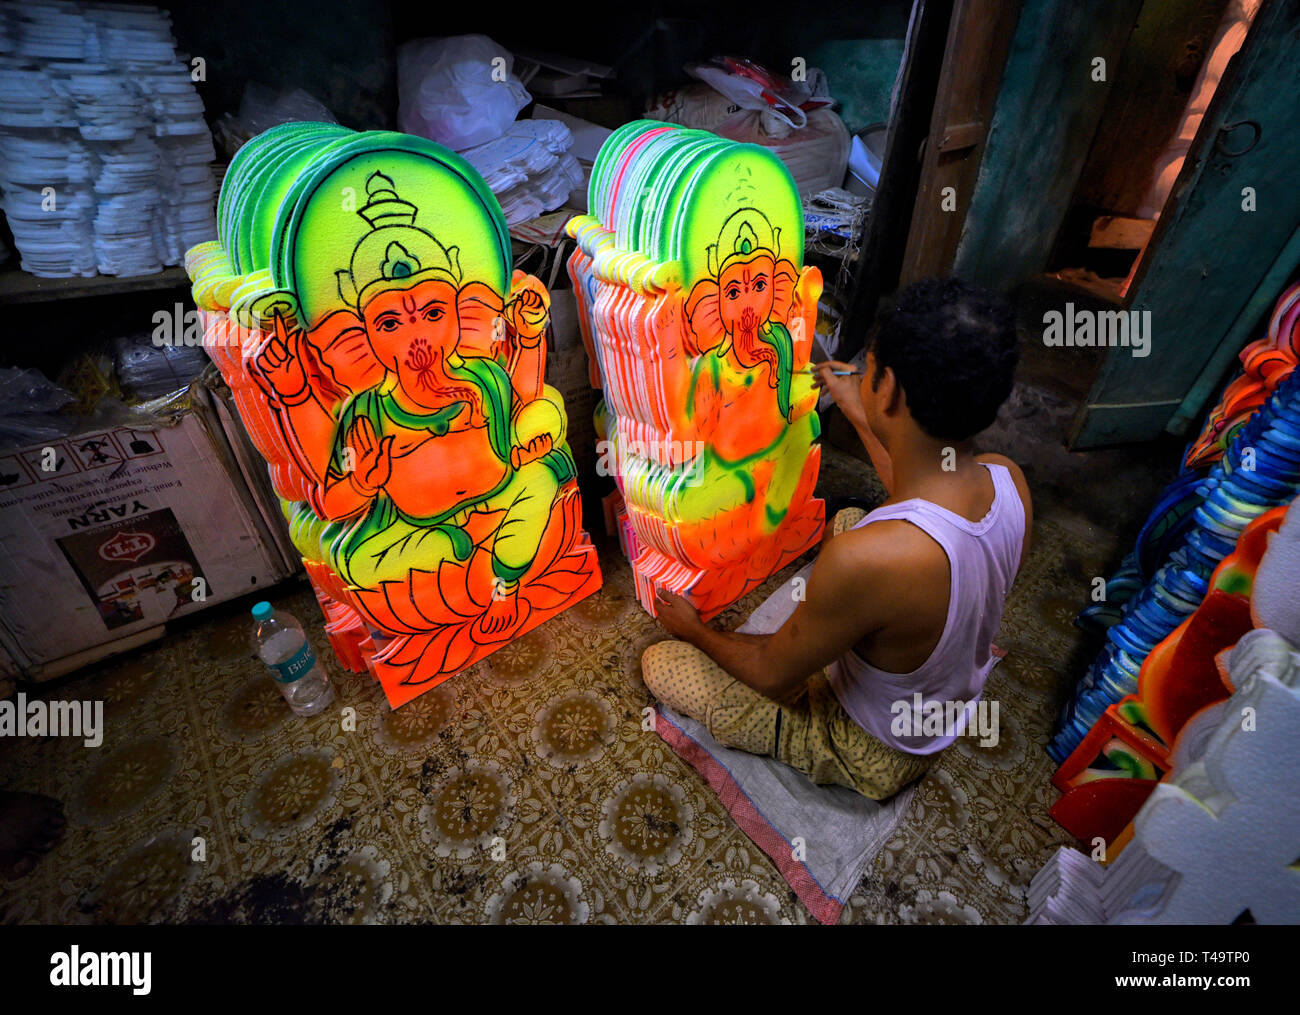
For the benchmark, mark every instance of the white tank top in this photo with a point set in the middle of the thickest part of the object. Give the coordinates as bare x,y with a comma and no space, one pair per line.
983,558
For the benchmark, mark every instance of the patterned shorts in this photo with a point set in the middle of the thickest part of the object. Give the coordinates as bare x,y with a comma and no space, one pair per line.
813,735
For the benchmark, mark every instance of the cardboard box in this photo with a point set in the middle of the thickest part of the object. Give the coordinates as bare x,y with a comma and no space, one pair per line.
252,468
107,535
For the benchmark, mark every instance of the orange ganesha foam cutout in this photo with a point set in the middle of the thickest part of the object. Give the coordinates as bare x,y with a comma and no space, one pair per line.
402,408
709,405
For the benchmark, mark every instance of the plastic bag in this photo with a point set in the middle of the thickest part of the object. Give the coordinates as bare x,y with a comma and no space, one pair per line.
262,108
30,391
816,154
148,371
451,90
30,405
752,86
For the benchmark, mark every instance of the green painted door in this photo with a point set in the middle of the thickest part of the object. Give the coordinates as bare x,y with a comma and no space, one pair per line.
1225,229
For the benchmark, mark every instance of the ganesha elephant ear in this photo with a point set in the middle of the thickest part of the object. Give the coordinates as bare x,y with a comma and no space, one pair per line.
477,308
701,323
784,285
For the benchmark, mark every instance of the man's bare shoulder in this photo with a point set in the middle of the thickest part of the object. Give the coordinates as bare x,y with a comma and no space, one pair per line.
864,578
892,548
1017,473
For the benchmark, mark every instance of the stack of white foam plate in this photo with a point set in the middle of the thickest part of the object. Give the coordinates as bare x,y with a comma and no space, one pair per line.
186,184
105,158
173,102
53,31
53,227
127,189
528,168
46,174
28,98
126,32
188,195
108,105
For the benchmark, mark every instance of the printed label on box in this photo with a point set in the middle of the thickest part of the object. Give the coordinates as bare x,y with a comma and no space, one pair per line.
139,443
141,568
114,543
96,451
51,461
12,472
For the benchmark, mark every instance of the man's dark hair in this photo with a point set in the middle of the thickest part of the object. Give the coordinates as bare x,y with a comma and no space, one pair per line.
952,345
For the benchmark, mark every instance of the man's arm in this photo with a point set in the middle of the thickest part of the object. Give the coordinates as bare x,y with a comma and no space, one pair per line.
843,605
847,392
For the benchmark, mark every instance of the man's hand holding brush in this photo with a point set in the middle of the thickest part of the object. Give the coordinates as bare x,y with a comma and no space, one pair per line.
844,382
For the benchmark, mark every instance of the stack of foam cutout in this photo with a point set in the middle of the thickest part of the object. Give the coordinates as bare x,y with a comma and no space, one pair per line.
697,310
288,281
1259,470
105,159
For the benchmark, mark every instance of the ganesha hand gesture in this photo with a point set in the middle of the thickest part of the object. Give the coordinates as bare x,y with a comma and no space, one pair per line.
371,458
539,427
278,366
528,314
536,448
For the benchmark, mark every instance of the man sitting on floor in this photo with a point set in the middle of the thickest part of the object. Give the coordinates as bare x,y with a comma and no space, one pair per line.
901,601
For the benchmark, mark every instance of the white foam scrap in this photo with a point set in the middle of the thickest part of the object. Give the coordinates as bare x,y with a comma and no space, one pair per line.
529,168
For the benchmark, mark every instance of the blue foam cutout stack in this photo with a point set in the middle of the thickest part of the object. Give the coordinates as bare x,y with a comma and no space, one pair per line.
1260,470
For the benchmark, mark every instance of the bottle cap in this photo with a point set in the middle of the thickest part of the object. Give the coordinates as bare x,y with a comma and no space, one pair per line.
262,611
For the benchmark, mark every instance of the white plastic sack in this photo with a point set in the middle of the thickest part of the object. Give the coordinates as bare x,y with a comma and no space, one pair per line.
784,103
450,90
816,155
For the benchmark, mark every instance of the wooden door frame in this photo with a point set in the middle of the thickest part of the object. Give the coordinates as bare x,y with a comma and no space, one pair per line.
885,239
979,38
1046,116
1221,292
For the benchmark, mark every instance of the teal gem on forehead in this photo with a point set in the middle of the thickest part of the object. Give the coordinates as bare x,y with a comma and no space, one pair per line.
400,262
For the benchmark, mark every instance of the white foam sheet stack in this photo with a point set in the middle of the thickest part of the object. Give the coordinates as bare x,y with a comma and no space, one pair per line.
105,158
1218,836
529,168
1067,890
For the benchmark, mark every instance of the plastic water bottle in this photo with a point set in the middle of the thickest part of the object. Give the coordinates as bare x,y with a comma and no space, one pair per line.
280,643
